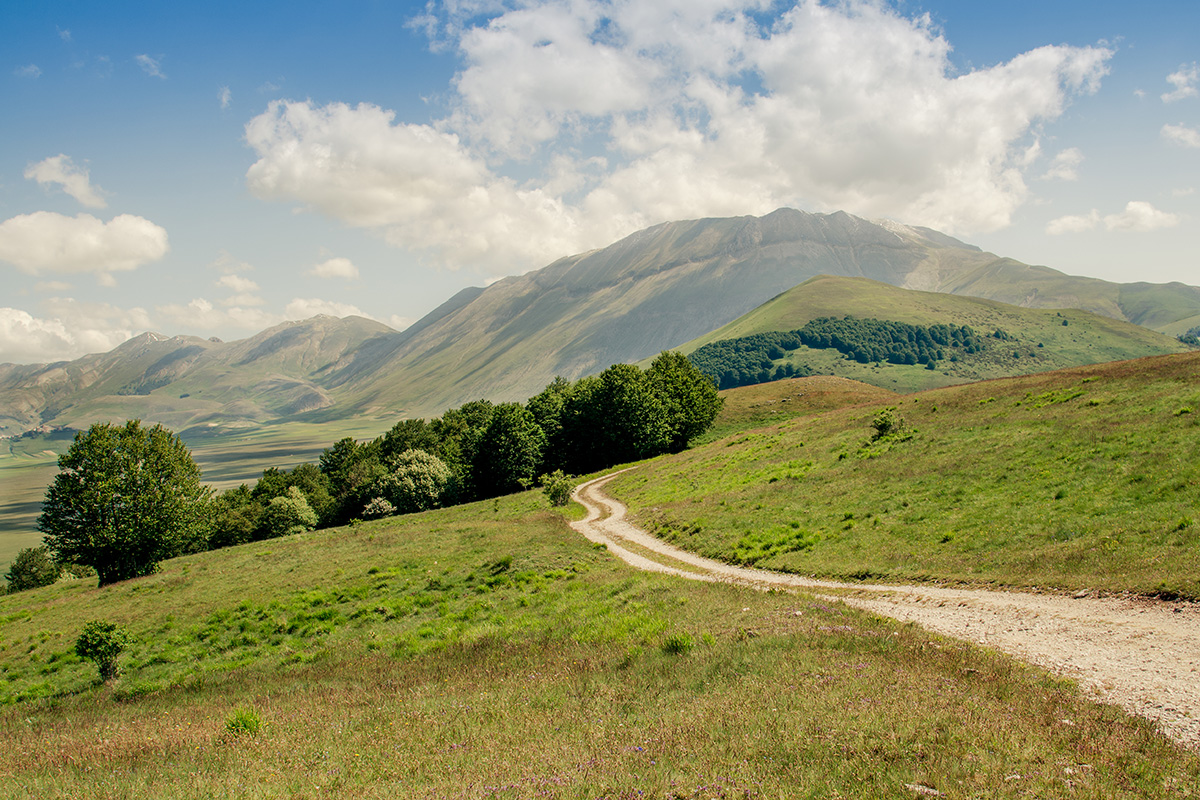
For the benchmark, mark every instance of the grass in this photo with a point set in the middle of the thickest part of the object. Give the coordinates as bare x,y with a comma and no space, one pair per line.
1084,478
489,651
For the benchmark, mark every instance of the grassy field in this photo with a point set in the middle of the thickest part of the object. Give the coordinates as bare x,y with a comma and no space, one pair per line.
1085,478
488,651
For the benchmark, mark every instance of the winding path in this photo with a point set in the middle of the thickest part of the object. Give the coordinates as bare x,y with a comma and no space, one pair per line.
1140,654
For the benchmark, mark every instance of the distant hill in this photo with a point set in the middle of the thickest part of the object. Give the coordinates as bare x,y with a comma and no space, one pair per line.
185,381
1036,340
656,289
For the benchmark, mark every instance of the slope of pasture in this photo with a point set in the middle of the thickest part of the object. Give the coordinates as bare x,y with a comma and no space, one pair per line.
489,651
1079,479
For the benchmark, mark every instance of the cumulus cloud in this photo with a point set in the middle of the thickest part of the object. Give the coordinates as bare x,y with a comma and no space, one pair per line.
151,66
69,329
335,268
224,96
1184,80
1181,134
574,123
303,308
1076,223
28,71
237,283
74,180
1065,165
48,242
201,315
1138,217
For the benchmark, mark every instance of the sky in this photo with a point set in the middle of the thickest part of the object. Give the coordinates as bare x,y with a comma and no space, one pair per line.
217,168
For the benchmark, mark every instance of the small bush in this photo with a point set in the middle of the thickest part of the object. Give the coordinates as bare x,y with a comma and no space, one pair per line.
887,423
33,567
102,642
557,487
677,644
378,508
243,721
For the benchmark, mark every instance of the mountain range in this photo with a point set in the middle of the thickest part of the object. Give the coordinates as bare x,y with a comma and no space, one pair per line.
656,289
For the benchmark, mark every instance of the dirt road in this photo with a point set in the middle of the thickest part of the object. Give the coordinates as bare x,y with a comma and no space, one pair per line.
1142,655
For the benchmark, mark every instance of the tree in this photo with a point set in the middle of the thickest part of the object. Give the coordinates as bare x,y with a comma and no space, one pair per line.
509,452
688,395
417,482
125,498
33,567
288,513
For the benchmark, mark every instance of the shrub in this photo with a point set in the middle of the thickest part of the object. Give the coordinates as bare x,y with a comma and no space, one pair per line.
377,509
886,423
243,721
33,567
677,644
102,642
557,487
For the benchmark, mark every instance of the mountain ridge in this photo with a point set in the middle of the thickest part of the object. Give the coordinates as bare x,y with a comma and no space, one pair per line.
655,289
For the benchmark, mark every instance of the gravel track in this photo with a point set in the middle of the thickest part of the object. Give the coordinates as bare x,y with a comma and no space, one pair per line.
1141,654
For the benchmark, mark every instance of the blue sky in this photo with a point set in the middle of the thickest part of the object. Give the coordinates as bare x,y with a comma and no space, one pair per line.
218,168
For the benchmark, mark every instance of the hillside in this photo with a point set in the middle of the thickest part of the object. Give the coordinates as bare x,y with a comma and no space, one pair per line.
489,650
1041,339
1080,479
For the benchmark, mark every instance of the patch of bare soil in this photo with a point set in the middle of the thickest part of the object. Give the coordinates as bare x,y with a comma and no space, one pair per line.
1141,654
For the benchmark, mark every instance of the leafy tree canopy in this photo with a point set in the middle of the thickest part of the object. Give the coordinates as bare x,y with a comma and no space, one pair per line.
125,498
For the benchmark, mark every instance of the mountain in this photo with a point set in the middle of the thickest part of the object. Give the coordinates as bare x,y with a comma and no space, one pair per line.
186,381
656,289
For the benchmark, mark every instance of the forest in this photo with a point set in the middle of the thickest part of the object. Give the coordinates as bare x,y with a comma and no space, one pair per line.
751,359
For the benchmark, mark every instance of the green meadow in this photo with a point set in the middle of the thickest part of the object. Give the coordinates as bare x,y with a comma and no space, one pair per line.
490,651
1080,479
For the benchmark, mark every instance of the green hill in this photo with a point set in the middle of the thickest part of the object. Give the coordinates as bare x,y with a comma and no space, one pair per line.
1078,479
490,651
1037,340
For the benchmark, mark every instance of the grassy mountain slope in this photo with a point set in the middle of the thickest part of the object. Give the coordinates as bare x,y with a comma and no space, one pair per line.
1039,335
1078,479
490,651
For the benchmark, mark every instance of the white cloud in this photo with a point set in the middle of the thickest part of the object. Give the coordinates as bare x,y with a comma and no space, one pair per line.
1139,217
1074,223
224,96
1181,134
70,329
63,33
398,322
1064,165
51,286
578,121
1185,192
74,180
48,242
303,308
335,268
202,316
28,71
151,66
237,283
1184,80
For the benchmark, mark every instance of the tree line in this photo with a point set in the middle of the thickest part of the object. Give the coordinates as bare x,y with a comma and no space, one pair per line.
127,497
751,359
